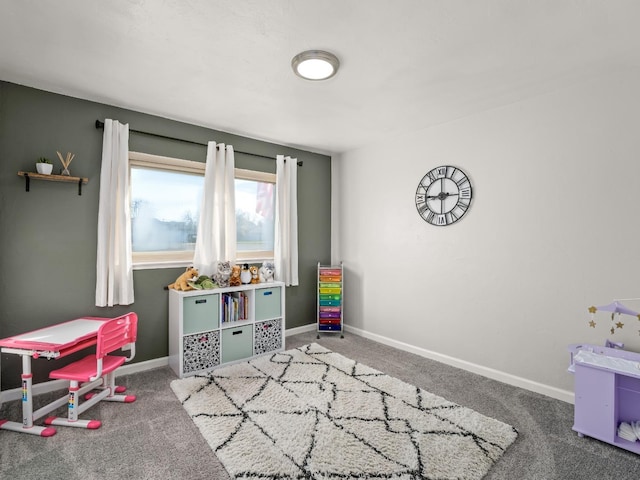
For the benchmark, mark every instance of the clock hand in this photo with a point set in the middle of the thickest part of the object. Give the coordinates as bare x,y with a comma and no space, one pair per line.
442,195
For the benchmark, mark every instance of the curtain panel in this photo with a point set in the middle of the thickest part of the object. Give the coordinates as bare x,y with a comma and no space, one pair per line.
114,269
286,234
216,239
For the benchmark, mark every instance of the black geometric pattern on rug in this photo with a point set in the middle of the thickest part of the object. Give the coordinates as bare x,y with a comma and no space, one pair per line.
310,413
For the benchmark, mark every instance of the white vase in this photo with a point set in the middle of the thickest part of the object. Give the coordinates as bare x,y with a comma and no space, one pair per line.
44,168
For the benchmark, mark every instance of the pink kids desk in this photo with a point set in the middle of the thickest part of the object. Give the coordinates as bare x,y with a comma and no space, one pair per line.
51,342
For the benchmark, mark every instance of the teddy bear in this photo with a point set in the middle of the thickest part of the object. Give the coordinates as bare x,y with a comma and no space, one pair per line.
245,274
222,276
234,280
181,282
254,274
266,272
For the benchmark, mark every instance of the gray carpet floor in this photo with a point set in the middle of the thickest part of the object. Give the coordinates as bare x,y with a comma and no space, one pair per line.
154,438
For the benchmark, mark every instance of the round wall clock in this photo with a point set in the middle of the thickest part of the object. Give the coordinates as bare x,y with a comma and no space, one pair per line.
443,195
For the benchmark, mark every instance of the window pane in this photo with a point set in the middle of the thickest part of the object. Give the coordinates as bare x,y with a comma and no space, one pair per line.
165,209
255,215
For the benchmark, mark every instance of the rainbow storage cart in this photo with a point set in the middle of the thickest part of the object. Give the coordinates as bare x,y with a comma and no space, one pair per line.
330,313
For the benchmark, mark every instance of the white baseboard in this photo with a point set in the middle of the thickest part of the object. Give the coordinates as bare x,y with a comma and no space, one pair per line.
553,392
53,385
305,328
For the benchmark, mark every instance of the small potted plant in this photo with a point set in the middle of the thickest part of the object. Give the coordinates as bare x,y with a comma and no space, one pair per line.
44,166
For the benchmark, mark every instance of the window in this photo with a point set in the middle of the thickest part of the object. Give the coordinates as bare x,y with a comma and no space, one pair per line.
255,213
165,208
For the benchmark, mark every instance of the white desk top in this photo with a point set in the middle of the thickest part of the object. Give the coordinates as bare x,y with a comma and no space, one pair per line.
57,336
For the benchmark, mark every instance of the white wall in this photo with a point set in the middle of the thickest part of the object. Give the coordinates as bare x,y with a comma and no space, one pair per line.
553,229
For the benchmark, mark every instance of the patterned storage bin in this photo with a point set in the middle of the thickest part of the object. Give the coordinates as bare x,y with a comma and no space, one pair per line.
201,351
267,336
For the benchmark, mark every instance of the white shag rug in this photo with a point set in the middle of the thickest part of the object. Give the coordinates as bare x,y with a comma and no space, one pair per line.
310,413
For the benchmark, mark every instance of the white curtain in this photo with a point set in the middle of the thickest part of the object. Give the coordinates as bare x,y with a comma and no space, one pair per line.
114,270
216,240
286,234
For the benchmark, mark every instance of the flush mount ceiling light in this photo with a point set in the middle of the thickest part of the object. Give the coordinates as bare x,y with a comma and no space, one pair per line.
315,65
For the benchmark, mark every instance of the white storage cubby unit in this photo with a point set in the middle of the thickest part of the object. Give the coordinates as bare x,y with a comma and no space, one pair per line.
208,328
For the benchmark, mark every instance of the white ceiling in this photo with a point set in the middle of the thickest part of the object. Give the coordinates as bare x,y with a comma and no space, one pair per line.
225,64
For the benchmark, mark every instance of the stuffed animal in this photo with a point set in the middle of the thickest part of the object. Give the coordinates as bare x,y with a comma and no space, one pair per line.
181,282
266,272
203,282
234,281
245,274
222,276
254,274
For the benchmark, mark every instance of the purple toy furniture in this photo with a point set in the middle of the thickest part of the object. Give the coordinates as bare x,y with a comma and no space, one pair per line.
607,392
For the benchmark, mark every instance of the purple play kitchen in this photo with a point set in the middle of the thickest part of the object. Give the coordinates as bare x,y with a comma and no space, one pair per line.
607,389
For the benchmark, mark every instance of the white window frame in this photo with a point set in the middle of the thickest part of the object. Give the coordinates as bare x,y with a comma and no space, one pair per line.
152,260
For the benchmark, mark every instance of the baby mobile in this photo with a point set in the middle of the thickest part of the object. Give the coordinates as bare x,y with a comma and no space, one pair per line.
616,308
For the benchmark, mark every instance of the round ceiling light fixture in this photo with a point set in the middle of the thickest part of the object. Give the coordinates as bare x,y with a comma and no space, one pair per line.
315,65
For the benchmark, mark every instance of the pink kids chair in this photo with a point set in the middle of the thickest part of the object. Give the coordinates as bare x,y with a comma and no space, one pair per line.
97,372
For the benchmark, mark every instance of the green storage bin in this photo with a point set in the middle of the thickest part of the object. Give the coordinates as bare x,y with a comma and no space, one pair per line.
201,313
330,285
268,303
330,297
237,343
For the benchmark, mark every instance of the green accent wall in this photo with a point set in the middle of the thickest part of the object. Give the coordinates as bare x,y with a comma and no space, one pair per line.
48,239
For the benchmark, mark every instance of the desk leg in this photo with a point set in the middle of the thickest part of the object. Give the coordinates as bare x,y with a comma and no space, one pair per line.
27,406
27,391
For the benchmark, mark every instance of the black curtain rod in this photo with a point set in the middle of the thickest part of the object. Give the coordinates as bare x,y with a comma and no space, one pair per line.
100,124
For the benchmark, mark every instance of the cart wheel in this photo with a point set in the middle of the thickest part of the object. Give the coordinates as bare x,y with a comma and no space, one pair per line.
341,336
318,336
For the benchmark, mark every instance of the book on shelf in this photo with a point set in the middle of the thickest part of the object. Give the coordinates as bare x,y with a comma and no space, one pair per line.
235,306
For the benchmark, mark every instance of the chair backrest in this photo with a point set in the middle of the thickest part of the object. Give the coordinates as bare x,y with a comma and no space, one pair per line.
115,333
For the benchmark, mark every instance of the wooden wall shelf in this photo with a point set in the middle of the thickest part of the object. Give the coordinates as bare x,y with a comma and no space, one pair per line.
53,178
